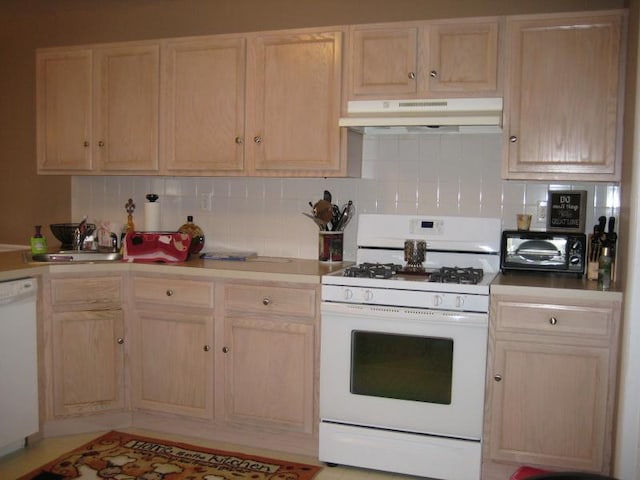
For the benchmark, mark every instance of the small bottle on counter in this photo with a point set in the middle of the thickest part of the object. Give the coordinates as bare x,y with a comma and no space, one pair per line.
38,242
197,235
604,269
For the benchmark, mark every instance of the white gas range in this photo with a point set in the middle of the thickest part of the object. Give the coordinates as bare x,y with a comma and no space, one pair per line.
403,351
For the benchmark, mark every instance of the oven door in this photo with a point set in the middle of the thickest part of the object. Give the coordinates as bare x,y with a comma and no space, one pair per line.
403,369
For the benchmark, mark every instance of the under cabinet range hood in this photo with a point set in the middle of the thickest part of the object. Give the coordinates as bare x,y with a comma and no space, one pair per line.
423,112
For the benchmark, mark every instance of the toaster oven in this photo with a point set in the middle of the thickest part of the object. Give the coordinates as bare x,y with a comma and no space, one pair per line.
543,251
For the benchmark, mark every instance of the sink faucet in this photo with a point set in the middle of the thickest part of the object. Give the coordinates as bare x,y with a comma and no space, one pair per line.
79,234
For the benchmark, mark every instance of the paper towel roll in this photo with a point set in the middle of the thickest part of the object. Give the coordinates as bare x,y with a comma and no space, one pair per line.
152,217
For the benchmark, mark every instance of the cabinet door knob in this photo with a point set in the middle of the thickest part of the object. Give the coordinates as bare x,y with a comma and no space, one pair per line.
169,293
433,74
120,341
101,143
257,139
412,75
497,377
553,320
239,140
513,139
225,349
86,144
266,301
206,348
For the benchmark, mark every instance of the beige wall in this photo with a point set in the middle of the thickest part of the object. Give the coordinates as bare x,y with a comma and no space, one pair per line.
28,199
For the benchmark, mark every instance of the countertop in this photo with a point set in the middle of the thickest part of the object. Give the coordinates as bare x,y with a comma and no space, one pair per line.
545,284
13,265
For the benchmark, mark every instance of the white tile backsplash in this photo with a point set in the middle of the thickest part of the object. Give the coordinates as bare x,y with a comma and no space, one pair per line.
435,173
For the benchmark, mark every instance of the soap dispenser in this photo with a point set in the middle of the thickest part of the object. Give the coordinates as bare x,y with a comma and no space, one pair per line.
38,242
197,235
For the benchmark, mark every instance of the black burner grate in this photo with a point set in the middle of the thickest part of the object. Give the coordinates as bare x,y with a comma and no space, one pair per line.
373,270
466,275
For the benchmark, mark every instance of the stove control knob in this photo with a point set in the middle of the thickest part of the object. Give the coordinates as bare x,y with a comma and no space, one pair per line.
459,302
368,295
347,293
437,300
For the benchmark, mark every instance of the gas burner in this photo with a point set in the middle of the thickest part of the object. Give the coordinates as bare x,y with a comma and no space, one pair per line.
467,275
373,270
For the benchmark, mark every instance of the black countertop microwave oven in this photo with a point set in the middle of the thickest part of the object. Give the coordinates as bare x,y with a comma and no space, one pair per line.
558,252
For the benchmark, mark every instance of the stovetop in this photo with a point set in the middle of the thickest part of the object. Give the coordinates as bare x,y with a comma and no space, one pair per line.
395,278
459,275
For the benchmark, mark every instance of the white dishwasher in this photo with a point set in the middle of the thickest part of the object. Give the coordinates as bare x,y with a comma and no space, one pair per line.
18,363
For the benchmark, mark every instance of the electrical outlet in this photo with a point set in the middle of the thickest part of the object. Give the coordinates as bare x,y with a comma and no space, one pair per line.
542,211
205,202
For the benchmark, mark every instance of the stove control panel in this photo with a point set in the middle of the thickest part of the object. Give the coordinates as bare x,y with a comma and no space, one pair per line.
426,226
461,302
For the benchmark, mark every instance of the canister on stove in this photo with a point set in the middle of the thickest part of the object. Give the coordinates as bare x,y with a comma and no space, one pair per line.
414,254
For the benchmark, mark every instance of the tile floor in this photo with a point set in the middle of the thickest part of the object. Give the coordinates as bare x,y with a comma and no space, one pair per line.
23,461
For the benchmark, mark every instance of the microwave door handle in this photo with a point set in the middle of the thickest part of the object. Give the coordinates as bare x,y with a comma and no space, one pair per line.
546,253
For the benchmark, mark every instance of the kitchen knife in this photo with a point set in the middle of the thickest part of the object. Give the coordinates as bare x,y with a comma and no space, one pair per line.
595,243
612,226
602,223
612,236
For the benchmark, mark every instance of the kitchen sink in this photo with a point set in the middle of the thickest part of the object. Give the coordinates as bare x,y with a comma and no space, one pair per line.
66,256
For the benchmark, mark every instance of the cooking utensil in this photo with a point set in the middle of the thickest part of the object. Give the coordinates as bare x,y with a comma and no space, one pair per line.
348,211
335,220
323,210
322,225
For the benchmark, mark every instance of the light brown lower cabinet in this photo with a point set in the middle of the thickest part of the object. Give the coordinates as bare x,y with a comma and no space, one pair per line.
229,360
171,352
267,359
551,380
83,352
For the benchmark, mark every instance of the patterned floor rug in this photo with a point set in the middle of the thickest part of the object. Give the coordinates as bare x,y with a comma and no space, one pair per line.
122,456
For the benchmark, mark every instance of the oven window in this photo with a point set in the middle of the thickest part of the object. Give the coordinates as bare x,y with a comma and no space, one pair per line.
403,367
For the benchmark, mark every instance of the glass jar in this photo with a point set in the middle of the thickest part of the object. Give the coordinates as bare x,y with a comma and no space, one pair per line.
197,235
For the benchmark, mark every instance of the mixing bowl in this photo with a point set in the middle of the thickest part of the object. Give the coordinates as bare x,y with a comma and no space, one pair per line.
64,232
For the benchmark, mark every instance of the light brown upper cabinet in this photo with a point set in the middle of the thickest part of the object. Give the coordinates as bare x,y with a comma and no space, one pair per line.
293,103
261,104
64,104
97,109
204,101
426,59
562,98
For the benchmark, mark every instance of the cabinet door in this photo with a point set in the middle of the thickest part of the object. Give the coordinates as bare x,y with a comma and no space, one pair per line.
461,57
549,404
127,102
561,99
88,361
63,99
295,104
204,100
383,62
269,373
172,366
